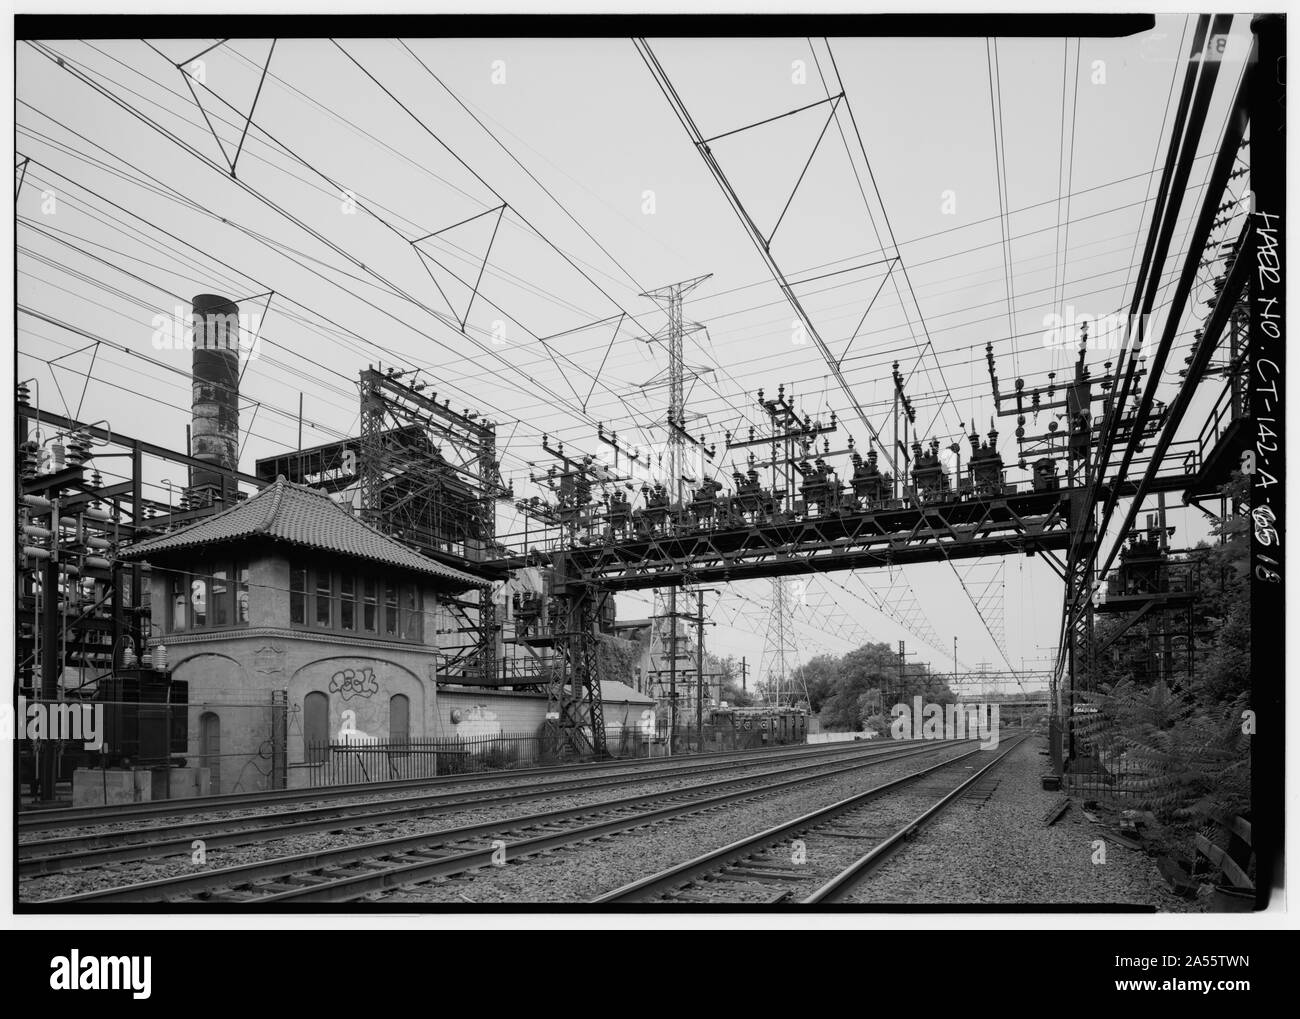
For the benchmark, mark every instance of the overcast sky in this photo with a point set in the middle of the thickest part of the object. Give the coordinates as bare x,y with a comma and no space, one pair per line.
632,207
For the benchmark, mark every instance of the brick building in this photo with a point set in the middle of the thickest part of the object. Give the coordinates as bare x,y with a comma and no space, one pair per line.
293,621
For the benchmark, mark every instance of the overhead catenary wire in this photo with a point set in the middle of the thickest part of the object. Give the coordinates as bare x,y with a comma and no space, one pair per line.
862,367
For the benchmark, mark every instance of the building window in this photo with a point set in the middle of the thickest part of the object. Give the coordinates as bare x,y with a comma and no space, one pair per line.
324,597
298,595
199,600
390,608
412,612
221,600
371,607
214,596
180,602
315,727
347,602
354,602
241,593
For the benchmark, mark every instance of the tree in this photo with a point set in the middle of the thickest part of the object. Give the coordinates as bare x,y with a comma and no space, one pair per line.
820,676
1182,742
732,692
862,686
616,658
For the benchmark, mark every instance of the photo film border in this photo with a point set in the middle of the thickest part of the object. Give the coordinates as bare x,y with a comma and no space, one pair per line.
1267,440
52,27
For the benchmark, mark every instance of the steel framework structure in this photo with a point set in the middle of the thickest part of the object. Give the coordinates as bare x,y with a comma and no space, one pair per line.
429,476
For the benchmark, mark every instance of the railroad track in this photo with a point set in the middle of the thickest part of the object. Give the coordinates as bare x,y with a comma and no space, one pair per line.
372,867
52,819
75,852
817,858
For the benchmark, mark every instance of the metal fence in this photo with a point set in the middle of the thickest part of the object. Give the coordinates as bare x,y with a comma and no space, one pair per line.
131,752
1106,776
661,741
331,763
334,763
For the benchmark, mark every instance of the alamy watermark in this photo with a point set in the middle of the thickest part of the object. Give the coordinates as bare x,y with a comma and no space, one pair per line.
946,721
63,720
1104,332
177,331
77,972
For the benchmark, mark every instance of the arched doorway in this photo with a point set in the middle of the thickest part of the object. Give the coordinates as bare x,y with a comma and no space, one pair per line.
210,748
399,719
315,726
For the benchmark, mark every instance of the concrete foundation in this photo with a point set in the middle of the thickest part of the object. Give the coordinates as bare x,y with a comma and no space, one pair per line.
102,787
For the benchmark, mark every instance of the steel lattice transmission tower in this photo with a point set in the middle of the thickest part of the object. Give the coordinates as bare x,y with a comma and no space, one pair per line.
672,335
664,646
780,649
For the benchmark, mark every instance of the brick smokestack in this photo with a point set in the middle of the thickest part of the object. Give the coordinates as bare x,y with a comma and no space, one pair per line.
215,407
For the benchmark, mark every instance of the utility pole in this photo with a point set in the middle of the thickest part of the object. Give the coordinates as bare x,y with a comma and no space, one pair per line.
902,659
744,668
699,664
672,675
902,665
954,661
699,668
778,611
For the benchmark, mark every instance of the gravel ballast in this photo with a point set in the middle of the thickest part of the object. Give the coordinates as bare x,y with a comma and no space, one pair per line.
472,785
993,847
35,889
582,872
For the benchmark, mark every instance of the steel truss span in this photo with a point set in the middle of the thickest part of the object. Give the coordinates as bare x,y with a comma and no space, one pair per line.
1024,523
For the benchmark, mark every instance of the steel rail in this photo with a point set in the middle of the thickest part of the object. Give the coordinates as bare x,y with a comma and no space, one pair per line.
847,879
69,817
670,880
306,882
56,855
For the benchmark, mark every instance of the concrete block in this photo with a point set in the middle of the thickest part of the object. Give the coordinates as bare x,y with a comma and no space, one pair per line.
181,783
96,787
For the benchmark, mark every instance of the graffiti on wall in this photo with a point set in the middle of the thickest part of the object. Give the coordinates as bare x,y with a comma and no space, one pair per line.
477,722
351,683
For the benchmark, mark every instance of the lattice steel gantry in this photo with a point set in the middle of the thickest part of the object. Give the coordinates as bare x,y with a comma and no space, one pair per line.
428,475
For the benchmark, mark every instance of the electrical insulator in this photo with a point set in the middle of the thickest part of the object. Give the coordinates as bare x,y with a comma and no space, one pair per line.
30,455
79,447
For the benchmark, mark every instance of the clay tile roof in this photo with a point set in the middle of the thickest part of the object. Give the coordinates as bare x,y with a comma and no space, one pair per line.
307,518
614,692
